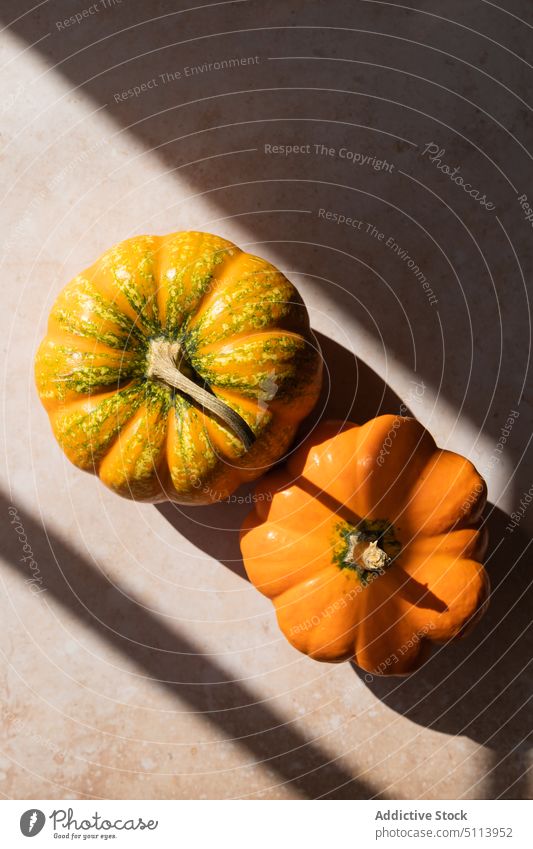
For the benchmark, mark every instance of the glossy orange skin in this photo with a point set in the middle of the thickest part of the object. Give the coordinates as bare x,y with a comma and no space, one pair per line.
242,327
389,468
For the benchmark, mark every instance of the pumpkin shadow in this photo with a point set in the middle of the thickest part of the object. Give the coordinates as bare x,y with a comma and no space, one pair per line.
350,390
480,687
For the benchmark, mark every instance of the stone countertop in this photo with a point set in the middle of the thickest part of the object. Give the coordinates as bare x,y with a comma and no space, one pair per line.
381,157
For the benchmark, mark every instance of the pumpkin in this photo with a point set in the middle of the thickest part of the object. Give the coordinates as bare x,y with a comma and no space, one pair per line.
177,367
369,543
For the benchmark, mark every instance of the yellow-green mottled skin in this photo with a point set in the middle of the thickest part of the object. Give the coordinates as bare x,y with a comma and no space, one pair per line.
242,328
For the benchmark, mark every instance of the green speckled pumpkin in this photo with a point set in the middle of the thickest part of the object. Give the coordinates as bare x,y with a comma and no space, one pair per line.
177,367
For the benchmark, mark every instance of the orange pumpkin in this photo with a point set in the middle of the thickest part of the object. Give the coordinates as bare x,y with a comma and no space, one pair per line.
369,544
177,367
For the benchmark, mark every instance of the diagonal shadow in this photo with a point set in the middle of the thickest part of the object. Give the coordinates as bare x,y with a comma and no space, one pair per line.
174,662
188,121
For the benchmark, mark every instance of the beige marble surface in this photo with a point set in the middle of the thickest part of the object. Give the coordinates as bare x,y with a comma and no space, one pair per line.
149,667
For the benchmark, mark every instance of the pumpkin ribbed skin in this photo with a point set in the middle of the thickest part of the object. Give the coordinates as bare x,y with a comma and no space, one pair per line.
388,479
244,333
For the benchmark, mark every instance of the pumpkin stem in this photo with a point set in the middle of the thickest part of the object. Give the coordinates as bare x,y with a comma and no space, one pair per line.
367,555
166,362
